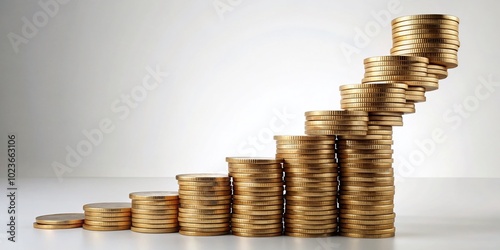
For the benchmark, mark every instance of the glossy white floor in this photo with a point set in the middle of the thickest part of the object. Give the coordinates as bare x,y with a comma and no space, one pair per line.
435,213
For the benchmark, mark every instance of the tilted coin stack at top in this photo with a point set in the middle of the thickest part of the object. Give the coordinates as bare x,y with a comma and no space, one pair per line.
257,209
155,211
205,204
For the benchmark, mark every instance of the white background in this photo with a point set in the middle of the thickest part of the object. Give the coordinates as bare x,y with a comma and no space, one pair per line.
229,75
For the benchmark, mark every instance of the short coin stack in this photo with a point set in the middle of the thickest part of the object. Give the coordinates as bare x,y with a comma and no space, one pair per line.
59,221
434,36
367,189
310,183
257,196
154,212
336,122
205,204
107,216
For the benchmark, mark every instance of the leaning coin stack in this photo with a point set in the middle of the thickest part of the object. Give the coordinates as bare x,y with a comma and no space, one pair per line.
107,216
310,183
154,212
205,204
257,196
59,221
366,198
434,36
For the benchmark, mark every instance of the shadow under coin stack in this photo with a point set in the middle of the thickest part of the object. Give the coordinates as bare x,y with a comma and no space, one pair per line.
257,196
59,221
155,212
205,204
107,216
310,184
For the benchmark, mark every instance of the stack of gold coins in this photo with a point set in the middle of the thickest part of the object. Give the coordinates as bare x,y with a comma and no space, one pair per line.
366,198
205,204
155,212
411,70
434,36
257,196
379,99
59,221
336,122
310,184
107,216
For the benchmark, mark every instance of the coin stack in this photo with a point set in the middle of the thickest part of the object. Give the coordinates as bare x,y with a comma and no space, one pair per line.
310,184
257,196
366,198
336,122
433,36
107,216
154,212
205,204
59,221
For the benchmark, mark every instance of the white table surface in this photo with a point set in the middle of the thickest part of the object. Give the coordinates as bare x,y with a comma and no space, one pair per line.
432,213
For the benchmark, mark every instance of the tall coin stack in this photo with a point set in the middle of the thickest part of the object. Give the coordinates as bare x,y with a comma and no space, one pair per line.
107,216
257,196
155,212
204,204
310,184
434,36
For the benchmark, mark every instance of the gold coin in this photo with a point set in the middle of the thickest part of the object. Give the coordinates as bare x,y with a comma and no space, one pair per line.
203,188
396,58
205,183
256,226
206,230
256,234
211,207
373,236
151,221
203,193
334,132
312,175
335,113
305,151
257,221
395,63
203,211
257,207
204,198
155,207
305,204
311,231
367,222
367,218
306,156
305,146
335,117
154,216
157,212
337,127
257,217
127,218
365,161
245,160
373,95
425,21
258,212
363,156
369,175
154,230
324,226
369,203
367,207
395,73
372,231
311,194
366,197
256,194
253,165
56,226
337,122
313,214
403,33
397,68
310,222
190,233
367,184
372,179
154,195
258,175
278,201
314,170
364,146
310,179
369,189
426,45
205,216
365,151
366,212
308,207
303,235
238,188
233,170
258,184
107,223
425,36
102,228
376,86
302,138
384,168
256,180
260,231
311,184
423,50
207,221
155,203
307,198
108,207
66,218
311,190
323,142
419,26
202,177
372,100
156,226
433,17
108,214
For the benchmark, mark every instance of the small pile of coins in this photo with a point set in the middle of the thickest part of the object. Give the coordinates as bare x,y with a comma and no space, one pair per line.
155,212
107,216
59,221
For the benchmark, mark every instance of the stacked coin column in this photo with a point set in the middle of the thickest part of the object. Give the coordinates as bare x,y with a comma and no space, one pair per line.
257,196
310,184
155,212
107,216
204,204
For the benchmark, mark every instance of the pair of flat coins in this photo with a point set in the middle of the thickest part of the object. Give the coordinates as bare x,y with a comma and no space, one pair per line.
59,221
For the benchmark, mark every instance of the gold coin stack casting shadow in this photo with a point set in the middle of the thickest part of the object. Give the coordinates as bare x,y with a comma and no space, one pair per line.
310,184
107,216
59,221
155,212
257,196
205,204
433,36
